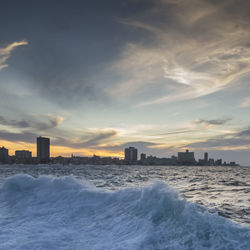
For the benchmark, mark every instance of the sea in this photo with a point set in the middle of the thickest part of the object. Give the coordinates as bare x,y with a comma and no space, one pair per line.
124,207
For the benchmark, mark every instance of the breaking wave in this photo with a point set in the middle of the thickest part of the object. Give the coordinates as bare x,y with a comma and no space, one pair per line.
65,213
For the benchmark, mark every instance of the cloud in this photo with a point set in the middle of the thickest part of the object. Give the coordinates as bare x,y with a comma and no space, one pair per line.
14,123
6,52
245,102
244,133
18,137
45,122
89,139
141,145
196,48
150,148
236,140
98,138
68,49
213,122
40,123
183,131
63,76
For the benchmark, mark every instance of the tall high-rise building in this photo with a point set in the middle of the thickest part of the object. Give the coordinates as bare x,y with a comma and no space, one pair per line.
130,154
43,149
143,157
4,155
206,158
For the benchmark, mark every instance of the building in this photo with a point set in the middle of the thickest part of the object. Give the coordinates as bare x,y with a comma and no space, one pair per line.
23,154
130,154
43,149
186,158
174,160
4,155
204,161
143,157
201,162
211,162
206,158
23,157
218,162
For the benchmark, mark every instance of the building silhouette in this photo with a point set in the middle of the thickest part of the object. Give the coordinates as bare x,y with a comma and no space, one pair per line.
23,154
23,157
143,157
130,154
186,158
218,162
4,155
211,162
205,158
43,149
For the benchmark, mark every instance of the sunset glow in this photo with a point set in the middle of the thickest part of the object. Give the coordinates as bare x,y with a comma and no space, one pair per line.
97,77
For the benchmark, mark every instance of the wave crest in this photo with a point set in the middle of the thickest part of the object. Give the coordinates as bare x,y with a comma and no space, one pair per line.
66,213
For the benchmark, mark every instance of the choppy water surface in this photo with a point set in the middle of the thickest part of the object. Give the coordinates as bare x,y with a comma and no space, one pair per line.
124,207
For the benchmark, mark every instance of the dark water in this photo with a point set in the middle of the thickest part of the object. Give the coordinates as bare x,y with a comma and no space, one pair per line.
135,207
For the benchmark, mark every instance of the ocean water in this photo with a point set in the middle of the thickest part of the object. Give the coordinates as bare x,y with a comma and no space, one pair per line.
124,207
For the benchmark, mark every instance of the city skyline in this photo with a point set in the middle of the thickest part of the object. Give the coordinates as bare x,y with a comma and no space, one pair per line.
130,156
99,76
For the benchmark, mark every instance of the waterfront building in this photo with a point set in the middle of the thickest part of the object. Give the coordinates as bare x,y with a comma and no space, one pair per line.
4,155
211,162
201,162
218,162
205,158
130,154
186,158
23,154
143,157
43,149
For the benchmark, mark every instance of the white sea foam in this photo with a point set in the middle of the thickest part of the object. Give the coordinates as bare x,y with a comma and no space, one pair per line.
65,213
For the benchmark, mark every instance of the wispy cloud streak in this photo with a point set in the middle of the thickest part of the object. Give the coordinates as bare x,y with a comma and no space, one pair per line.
240,139
196,48
6,52
213,122
38,123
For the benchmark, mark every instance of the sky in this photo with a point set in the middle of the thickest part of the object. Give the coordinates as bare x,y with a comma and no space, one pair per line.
98,76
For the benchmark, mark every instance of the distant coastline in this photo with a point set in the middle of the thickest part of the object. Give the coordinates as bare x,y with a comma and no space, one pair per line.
130,158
